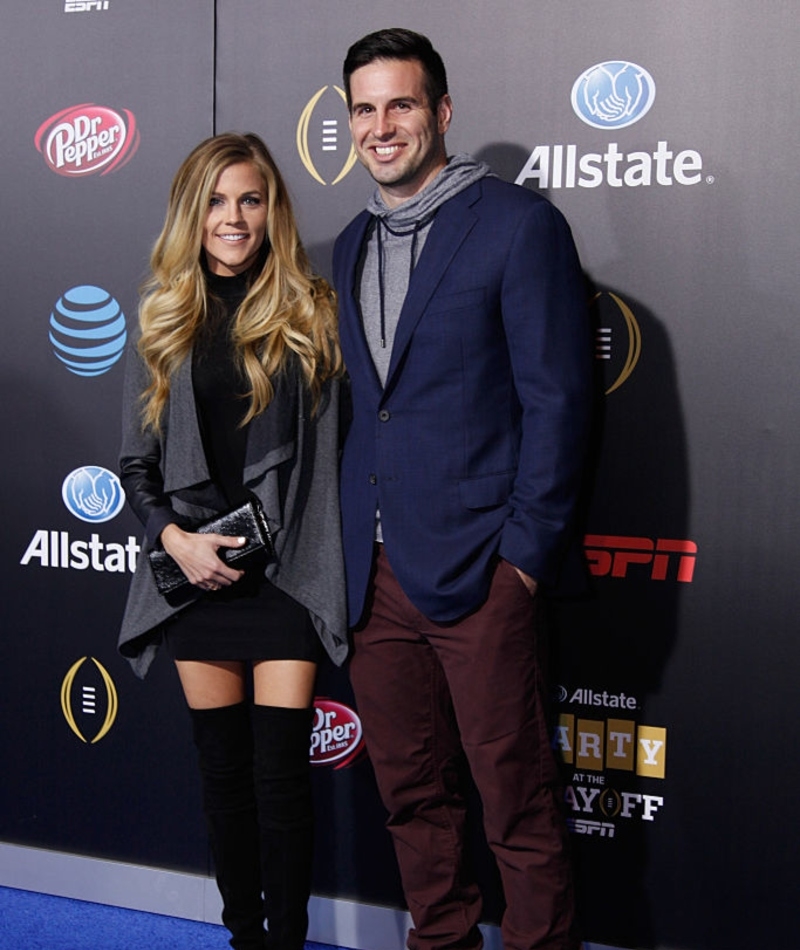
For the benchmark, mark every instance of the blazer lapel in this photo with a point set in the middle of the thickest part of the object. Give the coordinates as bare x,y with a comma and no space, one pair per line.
351,326
453,222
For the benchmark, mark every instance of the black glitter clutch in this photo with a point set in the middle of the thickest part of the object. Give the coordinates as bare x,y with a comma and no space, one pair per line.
246,521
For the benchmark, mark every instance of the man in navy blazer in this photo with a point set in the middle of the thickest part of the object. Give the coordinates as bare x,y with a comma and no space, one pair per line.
465,332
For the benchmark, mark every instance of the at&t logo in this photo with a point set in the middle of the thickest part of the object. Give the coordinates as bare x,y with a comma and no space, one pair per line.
613,95
93,494
85,139
87,330
323,136
89,700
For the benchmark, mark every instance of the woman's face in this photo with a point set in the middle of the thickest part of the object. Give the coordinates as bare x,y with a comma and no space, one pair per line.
236,223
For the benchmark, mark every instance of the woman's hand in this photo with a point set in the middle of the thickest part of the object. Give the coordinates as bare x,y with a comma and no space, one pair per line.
196,555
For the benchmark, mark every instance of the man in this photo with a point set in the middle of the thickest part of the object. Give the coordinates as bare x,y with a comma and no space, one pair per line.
465,333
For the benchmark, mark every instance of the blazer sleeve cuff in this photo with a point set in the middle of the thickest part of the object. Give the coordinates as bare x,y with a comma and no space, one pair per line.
535,551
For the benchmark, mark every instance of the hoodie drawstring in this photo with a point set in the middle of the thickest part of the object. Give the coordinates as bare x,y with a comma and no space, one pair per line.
411,264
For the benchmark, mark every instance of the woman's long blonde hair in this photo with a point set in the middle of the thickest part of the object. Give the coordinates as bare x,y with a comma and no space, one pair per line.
287,310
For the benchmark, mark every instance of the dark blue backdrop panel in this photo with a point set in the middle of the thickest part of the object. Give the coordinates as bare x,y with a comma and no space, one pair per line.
86,218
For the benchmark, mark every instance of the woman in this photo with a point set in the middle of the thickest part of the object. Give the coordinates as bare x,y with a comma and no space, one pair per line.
230,393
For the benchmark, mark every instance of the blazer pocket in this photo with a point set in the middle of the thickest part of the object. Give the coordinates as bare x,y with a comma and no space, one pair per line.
486,491
463,300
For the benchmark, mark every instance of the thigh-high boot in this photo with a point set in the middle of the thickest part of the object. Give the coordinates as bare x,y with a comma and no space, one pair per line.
224,743
285,815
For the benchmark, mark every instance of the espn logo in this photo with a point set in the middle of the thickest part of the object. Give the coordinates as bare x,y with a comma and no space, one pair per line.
611,555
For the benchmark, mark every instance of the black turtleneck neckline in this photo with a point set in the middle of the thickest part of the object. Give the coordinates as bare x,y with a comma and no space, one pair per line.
227,288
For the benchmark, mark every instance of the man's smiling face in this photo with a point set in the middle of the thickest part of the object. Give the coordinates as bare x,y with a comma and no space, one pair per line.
398,137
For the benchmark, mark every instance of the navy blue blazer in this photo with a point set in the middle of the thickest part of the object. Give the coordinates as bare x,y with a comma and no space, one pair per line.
475,446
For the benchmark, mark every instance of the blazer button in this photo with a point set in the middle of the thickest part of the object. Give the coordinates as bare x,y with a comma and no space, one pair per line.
384,415
373,479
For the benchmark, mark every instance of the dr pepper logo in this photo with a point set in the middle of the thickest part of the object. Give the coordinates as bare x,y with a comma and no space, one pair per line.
86,139
336,736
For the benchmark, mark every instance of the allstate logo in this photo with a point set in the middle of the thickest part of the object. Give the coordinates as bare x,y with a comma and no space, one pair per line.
323,137
87,330
93,494
613,95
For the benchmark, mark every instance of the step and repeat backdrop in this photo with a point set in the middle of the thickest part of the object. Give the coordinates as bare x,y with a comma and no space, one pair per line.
666,134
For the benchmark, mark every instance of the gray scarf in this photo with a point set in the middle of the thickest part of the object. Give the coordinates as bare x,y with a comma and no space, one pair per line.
393,250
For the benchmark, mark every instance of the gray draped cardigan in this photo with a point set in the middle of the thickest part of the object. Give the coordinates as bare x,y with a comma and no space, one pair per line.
291,465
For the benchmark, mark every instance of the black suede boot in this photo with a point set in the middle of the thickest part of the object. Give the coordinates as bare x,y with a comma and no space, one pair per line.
285,815
224,741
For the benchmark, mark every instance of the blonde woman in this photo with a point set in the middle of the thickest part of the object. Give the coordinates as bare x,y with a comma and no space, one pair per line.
232,392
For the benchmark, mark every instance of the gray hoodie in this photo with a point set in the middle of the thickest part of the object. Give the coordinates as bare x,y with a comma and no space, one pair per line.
394,247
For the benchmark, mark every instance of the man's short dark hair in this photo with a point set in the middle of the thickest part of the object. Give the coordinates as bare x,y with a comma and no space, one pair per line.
398,44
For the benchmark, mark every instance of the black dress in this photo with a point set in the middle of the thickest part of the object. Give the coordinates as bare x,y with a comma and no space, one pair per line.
252,619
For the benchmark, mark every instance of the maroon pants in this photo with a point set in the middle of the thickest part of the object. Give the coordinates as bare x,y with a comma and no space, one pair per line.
428,693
